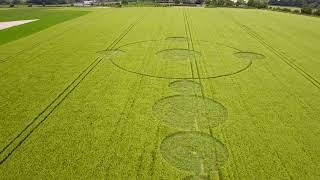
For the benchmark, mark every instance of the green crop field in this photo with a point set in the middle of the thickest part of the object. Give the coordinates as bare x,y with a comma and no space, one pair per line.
160,93
46,19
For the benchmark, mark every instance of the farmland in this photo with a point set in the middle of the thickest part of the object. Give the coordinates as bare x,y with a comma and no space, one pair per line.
48,18
163,93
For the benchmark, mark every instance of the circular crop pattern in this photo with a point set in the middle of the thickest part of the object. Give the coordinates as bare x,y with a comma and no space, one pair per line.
249,55
186,87
178,54
194,151
169,60
189,112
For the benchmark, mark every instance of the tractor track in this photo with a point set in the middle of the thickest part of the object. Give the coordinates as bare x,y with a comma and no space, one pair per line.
16,142
191,47
284,58
37,44
127,110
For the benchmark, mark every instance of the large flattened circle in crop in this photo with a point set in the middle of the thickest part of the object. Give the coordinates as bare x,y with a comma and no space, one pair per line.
171,59
189,112
194,151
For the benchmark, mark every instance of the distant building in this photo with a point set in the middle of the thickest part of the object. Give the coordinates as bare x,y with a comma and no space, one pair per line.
88,3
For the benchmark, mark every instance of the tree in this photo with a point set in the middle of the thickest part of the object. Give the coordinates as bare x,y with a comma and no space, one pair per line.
306,10
258,3
229,3
250,3
14,2
219,2
207,2
240,2
214,2
317,12
4,2
44,2
199,1
298,3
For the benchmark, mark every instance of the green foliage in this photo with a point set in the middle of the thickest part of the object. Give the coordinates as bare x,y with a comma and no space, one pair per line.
229,3
289,3
281,9
200,1
4,1
15,2
124,2
296,11
260,4
240,3
306,10
286,10
316,12
49,2
219,2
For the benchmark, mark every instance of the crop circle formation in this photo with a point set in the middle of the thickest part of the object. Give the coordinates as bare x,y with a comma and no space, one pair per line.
189,112
190,149
177,60
194,151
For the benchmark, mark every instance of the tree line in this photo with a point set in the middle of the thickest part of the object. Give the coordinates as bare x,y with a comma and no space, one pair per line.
296,3
307,6
13,2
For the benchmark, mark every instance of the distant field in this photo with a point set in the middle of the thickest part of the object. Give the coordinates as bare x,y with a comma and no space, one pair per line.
47,19
162,93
